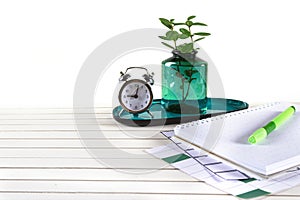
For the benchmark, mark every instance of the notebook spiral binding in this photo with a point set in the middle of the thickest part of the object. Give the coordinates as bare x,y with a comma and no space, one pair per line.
221,117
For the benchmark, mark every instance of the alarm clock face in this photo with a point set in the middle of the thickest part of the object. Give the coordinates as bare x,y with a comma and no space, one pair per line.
135,96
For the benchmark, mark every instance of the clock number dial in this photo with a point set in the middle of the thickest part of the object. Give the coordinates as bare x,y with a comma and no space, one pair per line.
135,96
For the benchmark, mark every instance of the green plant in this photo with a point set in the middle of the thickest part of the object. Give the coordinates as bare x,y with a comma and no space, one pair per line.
182,34
188,72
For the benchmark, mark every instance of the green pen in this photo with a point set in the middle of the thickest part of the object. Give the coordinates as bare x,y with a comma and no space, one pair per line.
263,132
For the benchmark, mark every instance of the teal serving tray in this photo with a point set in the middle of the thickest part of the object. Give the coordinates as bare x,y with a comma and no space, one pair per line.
215,106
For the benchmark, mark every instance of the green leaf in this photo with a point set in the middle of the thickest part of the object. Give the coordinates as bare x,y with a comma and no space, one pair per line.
199,39
191,17
163,37
186,48
202,34
172,35
176,24
199,24
183,36
192,79
185,32
166,22
172,20
167,45
189,23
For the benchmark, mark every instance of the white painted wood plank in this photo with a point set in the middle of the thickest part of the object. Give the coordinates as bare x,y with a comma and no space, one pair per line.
119,187
94,175
67,153
108,187
50,121
118,196
110,160
67,121
79,163
116,126
55,116
129,134
70,121
6,111
77,143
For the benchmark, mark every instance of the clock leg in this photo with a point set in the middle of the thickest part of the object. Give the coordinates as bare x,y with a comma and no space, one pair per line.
150,113
120,113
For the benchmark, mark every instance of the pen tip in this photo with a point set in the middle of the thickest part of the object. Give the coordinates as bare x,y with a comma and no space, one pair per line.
293,108
252,140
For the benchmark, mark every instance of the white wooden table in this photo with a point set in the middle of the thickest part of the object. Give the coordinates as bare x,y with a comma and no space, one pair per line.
42,157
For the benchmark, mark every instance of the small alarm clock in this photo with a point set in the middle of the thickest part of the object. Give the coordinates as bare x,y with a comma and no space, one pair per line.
135,95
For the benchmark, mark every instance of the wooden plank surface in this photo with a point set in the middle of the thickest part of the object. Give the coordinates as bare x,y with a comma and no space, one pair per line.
42,156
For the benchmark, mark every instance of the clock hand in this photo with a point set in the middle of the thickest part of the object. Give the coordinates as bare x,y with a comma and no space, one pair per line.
136,94
137,90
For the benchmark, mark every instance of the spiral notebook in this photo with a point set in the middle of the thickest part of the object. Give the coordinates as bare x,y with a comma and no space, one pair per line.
226,137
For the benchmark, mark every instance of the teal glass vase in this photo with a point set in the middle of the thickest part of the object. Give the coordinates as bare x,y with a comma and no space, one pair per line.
184,83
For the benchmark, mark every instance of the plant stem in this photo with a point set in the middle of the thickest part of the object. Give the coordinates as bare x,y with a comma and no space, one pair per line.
182,81
191,35
189,84
187,92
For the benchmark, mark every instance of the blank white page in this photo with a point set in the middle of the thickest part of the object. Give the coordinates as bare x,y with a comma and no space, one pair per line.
227,137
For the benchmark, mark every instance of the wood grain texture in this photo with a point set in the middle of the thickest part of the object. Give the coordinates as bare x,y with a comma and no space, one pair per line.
42,156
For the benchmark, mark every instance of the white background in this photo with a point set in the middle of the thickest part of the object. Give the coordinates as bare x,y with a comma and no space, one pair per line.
254,45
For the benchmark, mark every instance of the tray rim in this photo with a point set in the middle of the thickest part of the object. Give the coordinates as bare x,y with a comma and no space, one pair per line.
175,120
